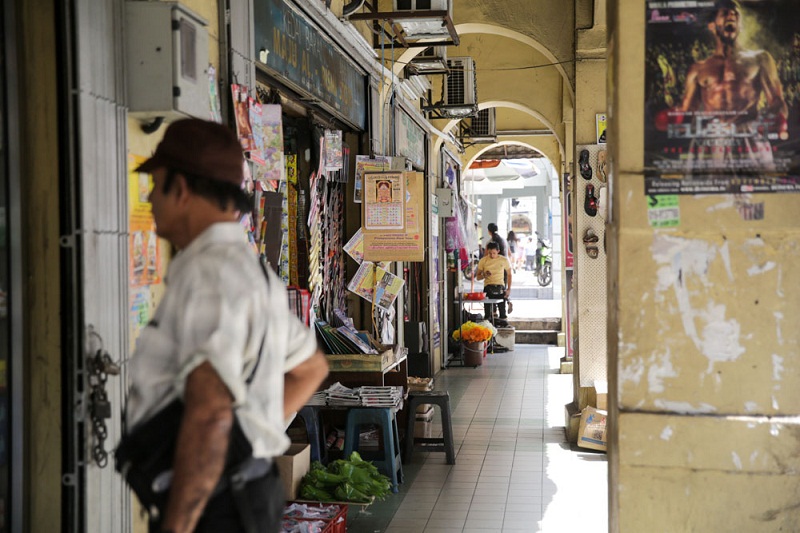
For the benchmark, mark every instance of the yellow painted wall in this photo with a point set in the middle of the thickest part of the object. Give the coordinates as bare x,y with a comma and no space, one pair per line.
142,144
544,20
39,127
703,341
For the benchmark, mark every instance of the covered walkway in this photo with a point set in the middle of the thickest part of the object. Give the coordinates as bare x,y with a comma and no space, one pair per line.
514,470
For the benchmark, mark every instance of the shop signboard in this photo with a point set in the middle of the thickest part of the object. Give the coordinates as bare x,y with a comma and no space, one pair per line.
292,47
410,139
722,97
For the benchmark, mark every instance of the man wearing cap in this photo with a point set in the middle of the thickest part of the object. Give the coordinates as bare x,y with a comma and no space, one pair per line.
222,340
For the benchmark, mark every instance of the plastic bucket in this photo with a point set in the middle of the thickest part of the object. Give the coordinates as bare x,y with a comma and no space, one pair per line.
473,353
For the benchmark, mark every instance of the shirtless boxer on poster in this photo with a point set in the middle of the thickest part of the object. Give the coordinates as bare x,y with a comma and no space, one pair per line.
726,89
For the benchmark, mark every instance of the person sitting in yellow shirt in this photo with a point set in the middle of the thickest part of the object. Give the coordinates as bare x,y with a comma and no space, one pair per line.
491,268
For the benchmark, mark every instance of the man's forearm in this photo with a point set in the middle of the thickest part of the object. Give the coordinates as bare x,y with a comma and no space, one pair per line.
200,450
303,381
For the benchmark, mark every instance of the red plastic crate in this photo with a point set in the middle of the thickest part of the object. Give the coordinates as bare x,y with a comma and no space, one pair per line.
337,524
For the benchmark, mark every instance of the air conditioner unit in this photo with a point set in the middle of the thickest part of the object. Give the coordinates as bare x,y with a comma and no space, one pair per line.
433,60
421,5
422,28
484,126
167,61
460,98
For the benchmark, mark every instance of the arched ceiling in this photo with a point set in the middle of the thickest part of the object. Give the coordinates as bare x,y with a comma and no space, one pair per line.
520,112
524,53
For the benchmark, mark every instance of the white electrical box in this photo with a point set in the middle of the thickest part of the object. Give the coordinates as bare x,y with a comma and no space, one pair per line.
447,201
167,61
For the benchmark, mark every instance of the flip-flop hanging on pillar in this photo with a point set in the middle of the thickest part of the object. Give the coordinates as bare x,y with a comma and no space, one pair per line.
602,171
590,203
590,240
584,166
602,202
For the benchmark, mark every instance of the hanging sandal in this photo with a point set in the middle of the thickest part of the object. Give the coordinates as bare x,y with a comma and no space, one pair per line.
602,201
602,173
585,167
590,204
590,239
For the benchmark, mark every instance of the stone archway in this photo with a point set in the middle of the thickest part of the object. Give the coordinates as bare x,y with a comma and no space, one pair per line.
500,31
504,143
510,105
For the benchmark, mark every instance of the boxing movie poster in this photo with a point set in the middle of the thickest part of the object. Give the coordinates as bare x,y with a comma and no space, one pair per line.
722,96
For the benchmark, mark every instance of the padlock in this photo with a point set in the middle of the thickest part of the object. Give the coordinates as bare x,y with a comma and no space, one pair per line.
101,407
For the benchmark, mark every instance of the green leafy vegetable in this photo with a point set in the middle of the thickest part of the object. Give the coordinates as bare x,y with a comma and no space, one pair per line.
353,480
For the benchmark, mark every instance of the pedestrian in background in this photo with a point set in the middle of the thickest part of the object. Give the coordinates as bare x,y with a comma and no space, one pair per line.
496,237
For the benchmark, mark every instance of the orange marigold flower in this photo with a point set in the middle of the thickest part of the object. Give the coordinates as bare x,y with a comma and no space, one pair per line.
472,332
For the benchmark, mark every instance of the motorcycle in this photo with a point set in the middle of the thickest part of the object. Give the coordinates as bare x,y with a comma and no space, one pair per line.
544,261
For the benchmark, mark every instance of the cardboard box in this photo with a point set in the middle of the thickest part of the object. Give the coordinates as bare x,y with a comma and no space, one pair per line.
424,409
592,431
601,394
292,466
423,429
426,415
572,422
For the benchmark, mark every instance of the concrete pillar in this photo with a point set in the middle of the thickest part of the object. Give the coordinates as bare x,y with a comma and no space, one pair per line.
703,340
590,273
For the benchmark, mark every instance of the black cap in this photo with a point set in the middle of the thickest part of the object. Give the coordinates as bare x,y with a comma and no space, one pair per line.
200,148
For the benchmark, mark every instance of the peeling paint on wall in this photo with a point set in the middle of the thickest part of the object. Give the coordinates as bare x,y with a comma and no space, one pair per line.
778,319
777,367
725,253
683,259
685,407
751,407
736,461
667,433
632,372
728,202
660,368
756,269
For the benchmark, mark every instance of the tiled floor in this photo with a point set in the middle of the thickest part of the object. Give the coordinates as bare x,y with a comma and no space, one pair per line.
514,471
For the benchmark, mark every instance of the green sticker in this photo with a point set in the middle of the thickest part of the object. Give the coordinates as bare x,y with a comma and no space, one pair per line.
663,210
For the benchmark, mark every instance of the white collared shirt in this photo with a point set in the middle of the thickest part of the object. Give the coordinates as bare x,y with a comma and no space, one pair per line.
217,308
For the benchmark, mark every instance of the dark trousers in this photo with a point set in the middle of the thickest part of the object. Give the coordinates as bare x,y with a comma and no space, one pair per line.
494,291
266,498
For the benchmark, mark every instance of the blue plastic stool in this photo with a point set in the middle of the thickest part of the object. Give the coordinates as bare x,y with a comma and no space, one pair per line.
390,464
310,416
